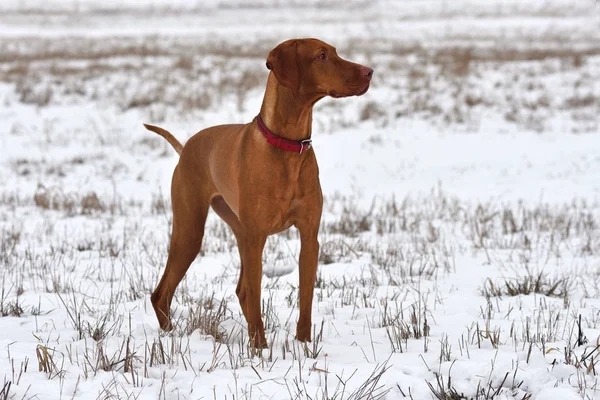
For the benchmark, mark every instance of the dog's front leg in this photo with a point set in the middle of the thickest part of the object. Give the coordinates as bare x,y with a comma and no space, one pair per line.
309,258
252,248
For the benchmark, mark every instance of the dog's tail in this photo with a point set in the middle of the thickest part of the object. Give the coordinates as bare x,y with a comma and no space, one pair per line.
167,135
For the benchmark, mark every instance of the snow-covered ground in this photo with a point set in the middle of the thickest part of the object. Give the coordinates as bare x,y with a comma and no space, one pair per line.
460,241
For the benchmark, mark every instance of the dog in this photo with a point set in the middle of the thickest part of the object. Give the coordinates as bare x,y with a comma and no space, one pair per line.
261,178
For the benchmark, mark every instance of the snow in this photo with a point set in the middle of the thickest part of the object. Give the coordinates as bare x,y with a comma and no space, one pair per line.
421,190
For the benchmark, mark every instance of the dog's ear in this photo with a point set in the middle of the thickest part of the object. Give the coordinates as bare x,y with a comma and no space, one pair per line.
283,61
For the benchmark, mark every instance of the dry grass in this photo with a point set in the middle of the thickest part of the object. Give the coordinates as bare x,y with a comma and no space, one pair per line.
207,316
415,254
72,204
528,284
443,84
445,390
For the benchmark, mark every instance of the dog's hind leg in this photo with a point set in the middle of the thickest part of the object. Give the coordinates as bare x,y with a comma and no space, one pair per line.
190,209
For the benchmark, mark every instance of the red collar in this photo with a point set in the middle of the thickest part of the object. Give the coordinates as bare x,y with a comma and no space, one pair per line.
296,146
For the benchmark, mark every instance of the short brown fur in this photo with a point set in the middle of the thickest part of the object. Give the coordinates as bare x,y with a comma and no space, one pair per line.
257,189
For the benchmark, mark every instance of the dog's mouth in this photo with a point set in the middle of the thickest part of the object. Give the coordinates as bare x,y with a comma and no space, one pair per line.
356,92
363,91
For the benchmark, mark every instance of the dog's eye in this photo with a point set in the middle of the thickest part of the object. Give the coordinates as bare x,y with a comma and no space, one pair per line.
322,56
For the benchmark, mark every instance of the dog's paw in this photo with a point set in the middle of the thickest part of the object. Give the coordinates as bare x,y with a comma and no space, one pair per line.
303,335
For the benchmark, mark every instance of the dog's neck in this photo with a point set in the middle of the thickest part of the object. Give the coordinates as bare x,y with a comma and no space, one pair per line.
284,114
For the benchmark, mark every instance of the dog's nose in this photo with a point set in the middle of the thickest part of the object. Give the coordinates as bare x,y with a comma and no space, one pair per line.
366,71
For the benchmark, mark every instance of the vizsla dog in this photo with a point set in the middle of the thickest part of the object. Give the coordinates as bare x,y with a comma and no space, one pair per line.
260,178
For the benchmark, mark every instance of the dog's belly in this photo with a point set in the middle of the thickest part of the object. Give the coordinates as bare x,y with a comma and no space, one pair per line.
285,226
230,198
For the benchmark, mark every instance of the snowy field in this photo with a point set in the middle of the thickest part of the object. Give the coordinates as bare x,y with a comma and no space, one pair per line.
460,243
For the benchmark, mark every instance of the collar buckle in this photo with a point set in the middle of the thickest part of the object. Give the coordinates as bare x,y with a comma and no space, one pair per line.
305,145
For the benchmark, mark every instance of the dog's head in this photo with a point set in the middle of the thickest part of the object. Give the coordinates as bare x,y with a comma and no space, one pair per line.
312,68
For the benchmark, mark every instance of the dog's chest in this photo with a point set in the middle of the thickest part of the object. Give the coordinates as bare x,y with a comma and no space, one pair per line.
298,205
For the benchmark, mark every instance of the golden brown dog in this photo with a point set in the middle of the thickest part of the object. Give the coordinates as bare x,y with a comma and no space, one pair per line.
260,178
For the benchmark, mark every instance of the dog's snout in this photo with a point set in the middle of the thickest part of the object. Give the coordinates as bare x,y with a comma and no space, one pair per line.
366,71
